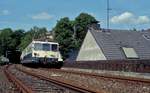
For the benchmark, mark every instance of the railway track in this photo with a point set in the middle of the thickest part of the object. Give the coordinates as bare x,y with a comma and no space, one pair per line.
126,80
5,85
117,77
109,84
27,82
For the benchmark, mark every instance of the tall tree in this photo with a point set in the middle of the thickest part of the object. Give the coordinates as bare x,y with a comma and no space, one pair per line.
63,35
5,40
16,38
81,25
70,33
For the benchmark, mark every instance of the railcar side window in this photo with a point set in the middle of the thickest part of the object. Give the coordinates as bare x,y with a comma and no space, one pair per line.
54,47
46,47
37,46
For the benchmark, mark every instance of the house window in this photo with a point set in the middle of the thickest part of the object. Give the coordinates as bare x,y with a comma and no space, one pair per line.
147,37
130,52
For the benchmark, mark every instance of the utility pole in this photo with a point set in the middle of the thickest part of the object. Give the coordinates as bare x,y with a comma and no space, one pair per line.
74,32
108,10
75,27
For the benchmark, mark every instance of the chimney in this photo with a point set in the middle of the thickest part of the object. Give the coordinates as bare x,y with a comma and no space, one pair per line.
95,25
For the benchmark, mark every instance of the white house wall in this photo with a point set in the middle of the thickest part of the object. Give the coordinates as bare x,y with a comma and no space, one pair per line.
90,50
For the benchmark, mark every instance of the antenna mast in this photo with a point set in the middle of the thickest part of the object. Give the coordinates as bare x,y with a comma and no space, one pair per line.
108,9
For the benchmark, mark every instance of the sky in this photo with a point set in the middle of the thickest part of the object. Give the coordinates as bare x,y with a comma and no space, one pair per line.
24,14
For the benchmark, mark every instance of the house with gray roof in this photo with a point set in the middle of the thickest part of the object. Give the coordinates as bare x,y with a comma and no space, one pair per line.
103,44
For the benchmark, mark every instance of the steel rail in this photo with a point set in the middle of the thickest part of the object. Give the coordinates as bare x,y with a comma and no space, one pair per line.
61,83
20,86
118,77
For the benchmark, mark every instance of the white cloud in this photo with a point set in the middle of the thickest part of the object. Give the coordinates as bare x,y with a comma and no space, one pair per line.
4,12
143,19
42,16
129,18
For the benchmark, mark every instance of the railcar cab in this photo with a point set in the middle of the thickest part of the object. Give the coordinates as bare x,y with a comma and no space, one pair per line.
45,51
45,46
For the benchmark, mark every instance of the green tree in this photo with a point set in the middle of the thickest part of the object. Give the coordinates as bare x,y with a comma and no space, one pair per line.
70,34
63,35
25,40
16,38
33,33
5,40
81,25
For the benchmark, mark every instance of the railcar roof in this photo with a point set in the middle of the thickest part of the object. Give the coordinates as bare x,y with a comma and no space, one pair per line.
44,42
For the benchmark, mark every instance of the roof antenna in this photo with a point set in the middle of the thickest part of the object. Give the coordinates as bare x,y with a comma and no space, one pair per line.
108,11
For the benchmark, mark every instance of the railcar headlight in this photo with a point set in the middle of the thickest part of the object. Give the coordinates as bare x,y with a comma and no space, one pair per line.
36,54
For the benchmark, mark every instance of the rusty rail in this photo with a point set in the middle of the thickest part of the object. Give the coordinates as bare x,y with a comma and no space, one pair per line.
101,84
20,86
126,78
61,83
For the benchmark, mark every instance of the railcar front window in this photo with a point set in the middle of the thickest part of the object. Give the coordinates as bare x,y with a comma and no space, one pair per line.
37,46
46,47
54,47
